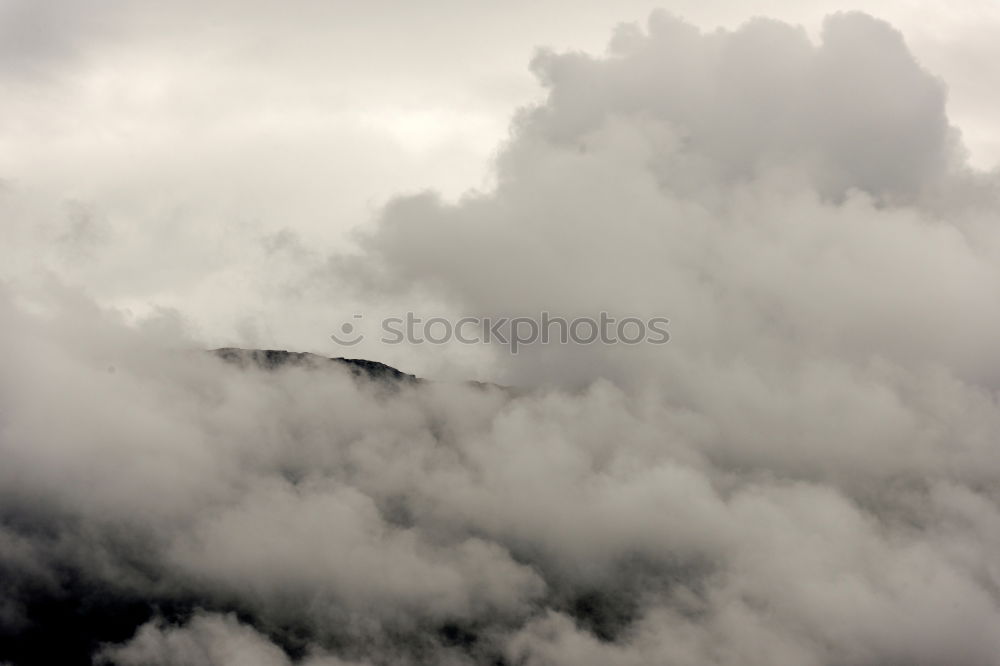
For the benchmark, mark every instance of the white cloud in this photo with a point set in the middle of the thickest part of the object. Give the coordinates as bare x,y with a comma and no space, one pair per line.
805,474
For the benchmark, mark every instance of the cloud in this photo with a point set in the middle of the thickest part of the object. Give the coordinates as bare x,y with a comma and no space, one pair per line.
210,639
689,175
805,474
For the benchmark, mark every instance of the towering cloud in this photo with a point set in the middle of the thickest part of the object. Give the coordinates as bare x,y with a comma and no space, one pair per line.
806,474
780,201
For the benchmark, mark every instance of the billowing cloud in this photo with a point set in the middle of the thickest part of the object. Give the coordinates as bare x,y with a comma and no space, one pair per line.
805,474
692,174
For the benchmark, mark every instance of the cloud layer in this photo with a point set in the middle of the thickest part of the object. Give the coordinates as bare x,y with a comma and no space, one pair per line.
806,474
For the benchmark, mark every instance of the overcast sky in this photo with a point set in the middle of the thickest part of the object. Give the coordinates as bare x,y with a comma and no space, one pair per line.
164,155
805,474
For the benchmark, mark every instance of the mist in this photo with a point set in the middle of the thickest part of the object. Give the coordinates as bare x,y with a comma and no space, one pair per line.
805,474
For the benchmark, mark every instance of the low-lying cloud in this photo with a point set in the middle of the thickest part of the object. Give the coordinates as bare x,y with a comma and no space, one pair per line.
806,474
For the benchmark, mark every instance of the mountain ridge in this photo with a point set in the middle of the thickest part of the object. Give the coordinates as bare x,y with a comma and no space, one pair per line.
272,359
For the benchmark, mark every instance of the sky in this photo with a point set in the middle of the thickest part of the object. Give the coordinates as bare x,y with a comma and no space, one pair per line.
178,157
805,473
